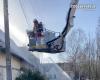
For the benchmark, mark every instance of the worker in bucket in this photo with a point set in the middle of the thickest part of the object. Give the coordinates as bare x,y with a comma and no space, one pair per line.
41,35
38,32
35,29
40,38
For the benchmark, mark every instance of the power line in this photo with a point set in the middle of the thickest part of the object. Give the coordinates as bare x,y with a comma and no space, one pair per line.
36,14
22,8
31,5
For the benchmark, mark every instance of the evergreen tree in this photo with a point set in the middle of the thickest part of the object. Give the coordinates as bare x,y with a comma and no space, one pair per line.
30,75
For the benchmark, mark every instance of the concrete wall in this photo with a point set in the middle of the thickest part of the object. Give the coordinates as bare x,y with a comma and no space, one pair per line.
67,67
15,66
17,63
52,70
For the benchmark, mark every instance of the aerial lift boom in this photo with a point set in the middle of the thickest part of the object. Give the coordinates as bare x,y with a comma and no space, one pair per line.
58,43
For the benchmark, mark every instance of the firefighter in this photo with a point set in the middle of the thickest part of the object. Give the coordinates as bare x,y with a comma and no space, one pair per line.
35,27
34,38
40,30
40,35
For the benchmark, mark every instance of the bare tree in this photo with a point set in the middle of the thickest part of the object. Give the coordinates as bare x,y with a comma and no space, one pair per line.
75,43
82,55
98,50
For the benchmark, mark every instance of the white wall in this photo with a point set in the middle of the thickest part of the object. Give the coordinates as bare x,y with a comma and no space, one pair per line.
15,66
16,62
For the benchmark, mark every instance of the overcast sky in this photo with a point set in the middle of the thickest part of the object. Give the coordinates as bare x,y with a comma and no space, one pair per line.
51,12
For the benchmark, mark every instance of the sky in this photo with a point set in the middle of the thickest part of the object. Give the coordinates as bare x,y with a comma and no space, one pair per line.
51,12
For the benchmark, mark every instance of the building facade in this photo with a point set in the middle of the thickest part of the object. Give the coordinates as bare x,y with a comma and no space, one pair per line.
67,67
16,63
